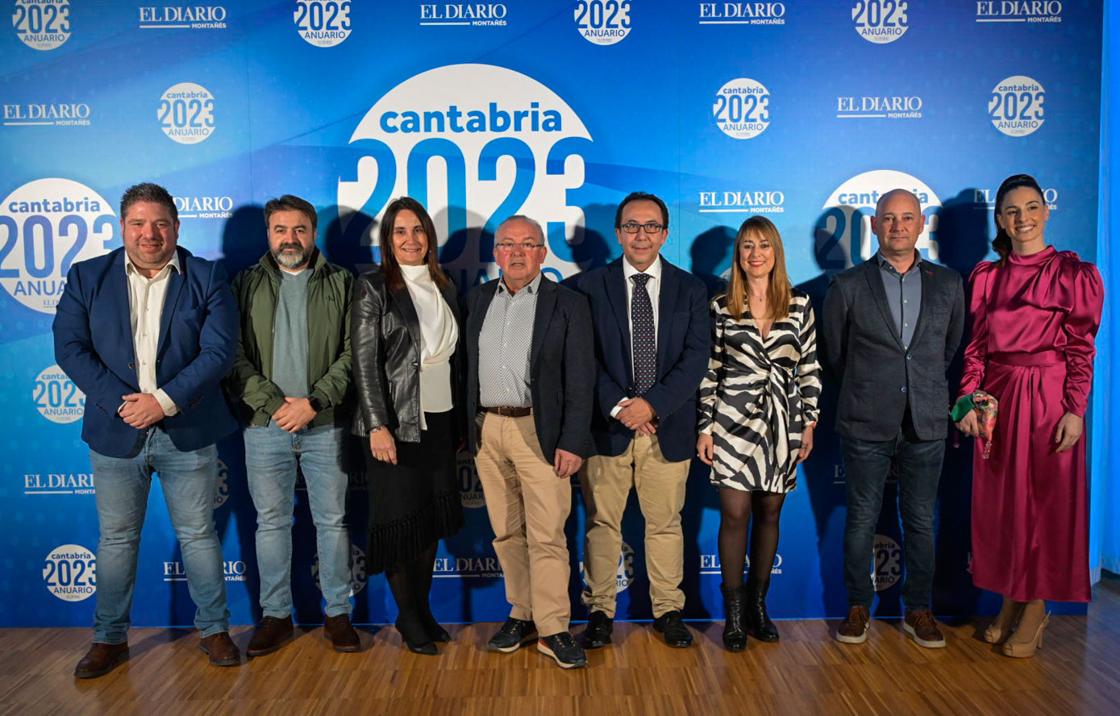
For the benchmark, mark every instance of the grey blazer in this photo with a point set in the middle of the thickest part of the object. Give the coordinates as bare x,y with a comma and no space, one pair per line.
877,375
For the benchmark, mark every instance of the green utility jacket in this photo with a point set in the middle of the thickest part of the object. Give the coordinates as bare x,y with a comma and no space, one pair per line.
328,326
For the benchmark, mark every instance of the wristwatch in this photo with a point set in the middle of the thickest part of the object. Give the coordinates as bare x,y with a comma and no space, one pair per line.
315,404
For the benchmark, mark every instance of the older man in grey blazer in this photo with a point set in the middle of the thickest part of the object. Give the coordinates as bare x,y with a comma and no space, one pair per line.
891,326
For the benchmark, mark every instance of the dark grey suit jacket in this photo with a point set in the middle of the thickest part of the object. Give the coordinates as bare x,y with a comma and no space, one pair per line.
877,375
561,367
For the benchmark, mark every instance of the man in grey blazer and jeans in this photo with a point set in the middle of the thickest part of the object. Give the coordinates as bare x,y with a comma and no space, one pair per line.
891,327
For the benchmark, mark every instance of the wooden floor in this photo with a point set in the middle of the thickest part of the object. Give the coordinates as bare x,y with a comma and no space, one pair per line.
807,673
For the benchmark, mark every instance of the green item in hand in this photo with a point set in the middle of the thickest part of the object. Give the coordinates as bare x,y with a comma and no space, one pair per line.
962,408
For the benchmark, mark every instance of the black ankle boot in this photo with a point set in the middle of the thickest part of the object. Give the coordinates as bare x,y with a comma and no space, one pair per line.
734,637
758,621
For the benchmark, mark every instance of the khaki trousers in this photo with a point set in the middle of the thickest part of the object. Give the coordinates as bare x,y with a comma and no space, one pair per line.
606,483
528,506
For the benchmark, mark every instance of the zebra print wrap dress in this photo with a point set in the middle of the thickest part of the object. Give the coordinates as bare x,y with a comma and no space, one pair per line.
758,395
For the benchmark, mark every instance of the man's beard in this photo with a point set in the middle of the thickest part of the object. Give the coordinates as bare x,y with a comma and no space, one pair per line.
290,259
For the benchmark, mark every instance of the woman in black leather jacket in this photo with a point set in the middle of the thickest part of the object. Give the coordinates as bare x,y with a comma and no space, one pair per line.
405,336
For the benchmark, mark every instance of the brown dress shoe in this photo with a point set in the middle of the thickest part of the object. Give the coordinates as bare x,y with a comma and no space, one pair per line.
221,649
341,633
922,628
101,659
853,630
271,634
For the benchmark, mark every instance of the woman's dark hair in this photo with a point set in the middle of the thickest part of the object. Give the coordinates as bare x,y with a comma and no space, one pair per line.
389,266
1002,242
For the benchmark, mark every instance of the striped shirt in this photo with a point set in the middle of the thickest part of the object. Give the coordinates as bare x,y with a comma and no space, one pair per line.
504,347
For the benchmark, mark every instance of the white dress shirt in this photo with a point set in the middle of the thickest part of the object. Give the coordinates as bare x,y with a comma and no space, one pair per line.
653,288
145,308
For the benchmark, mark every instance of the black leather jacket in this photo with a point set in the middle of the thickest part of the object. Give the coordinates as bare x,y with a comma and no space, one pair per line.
385,348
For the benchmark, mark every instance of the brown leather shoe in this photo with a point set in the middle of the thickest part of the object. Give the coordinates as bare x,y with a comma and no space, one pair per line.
271,634
101,659
221,649
341,633
922,628
853,630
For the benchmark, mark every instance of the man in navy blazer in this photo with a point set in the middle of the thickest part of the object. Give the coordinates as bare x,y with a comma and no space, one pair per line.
147,332
652,338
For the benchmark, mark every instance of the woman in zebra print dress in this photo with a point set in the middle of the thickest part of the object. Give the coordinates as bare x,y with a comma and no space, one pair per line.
758,408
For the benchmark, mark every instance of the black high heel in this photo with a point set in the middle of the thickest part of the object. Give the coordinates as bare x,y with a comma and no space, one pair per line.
416,637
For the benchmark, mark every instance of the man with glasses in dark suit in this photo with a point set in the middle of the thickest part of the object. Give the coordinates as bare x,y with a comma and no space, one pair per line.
652,338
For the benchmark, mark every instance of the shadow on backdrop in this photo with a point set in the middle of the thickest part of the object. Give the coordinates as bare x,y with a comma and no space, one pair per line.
348,246
244,239
963,241
711,254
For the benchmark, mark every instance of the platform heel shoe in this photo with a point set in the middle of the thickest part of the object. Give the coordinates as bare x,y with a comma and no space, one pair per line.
1000,628
1025,650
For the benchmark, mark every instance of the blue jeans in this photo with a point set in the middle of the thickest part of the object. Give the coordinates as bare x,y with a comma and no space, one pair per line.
866,463
189,480
271,456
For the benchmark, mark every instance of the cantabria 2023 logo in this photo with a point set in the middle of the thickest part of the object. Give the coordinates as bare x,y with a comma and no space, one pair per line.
881,21
45,226
474,144
742,108
56,397
42,24
186,113
603,22
1016,106
69,572
322,23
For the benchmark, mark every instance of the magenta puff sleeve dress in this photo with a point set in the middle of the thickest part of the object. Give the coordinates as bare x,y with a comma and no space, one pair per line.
1033,323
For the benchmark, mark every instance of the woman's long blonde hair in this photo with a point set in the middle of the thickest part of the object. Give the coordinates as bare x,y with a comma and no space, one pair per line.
779,293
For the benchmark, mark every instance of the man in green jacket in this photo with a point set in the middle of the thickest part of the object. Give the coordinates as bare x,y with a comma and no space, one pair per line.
292,376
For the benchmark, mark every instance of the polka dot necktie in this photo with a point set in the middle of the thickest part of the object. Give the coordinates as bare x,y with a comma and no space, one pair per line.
644,336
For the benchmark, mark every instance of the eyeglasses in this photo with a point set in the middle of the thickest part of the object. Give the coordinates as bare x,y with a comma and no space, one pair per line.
650,227
510,246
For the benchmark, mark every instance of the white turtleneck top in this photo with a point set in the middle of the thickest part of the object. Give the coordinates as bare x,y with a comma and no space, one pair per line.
438,335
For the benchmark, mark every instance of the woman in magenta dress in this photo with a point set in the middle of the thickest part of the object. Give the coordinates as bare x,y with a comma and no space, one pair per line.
1035,312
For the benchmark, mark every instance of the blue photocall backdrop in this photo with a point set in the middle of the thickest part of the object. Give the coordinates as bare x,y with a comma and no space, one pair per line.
802,111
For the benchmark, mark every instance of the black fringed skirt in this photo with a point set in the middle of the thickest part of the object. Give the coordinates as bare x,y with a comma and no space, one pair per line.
415,502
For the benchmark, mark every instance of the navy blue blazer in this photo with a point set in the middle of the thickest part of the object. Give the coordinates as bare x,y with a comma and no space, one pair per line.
198,335
683,347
